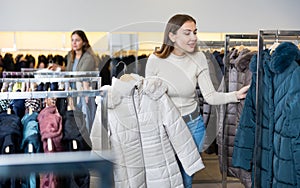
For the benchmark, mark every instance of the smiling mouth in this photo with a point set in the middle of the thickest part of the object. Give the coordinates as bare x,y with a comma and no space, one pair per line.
192,45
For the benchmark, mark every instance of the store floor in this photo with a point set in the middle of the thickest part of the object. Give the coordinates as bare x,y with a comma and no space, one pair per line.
210,176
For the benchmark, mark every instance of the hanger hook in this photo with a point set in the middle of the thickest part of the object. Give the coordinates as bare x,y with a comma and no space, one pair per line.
125,66
277,36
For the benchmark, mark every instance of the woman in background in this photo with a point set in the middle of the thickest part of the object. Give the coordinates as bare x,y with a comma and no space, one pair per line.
83,58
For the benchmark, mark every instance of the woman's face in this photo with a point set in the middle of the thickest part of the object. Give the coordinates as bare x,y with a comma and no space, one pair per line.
185,40
42,65
77,42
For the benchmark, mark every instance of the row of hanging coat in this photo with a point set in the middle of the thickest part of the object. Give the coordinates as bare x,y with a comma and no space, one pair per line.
280,133
237,75
55,126
44,131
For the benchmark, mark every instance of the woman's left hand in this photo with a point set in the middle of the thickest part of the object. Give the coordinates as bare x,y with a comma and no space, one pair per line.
241,94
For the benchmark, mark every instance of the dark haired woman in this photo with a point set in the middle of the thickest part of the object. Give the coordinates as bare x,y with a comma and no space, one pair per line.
83,58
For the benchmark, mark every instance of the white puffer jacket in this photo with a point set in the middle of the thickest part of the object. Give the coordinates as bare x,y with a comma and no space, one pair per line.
146,133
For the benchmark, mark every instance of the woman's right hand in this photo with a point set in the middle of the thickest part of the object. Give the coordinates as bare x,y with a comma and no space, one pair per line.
241,94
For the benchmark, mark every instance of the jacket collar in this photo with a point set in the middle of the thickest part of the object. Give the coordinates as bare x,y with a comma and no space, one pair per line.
153,87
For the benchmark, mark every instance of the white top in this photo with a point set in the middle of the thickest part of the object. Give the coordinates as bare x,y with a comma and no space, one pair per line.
181,74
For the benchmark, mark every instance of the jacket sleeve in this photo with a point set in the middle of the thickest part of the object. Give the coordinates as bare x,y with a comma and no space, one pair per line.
87,62
100,141
151,66
69,64
245,135
180,137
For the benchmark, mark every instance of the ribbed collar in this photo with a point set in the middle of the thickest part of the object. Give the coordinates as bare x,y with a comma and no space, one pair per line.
174,57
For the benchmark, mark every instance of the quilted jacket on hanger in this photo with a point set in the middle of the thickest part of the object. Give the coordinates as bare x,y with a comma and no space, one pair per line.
147,132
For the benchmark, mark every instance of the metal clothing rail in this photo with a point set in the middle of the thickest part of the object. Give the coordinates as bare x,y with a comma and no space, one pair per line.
49,94
56,74
263,36
209,44
70,73
54,79
227,45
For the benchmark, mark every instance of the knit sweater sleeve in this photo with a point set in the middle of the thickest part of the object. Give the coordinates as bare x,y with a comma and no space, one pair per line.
208,91
151,66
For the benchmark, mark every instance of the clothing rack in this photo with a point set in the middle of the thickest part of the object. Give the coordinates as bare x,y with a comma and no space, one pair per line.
246,40
47,94
23,164
263,37
52,79
59,77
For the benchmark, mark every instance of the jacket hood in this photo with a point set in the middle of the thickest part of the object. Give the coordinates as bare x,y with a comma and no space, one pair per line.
283,56
253,62
153,87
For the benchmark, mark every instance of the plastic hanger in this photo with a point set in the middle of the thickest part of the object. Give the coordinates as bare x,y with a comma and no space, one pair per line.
70,104
7,150
30,148
274,46
30,110
8,110
49,144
